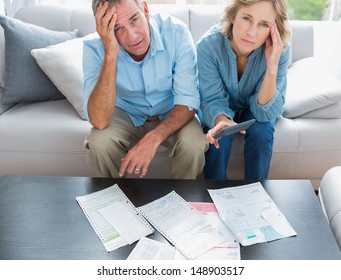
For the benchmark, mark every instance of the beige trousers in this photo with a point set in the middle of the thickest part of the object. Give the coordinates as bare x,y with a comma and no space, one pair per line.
108,146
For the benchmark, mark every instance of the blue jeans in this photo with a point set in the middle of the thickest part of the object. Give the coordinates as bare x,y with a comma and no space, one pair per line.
257,150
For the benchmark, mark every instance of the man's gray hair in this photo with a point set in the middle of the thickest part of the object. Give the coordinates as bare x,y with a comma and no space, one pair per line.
95,3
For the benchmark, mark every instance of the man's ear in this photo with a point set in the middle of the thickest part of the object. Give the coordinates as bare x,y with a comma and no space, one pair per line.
145,10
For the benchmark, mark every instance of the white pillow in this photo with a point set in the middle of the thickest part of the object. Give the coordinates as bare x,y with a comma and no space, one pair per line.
330,112
311,86
62,63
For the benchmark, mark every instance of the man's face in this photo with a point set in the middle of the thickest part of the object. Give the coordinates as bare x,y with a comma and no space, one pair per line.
132,29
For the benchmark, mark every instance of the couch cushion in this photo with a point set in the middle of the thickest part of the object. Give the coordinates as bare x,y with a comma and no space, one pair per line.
60,17
44,138
334,61
173,10
302,34
62,63
298,143
2,58
47,139
24,80
212,15
43,126
3,107
332,111
310,87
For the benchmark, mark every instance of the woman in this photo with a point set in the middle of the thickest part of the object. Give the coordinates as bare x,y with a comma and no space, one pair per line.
242,65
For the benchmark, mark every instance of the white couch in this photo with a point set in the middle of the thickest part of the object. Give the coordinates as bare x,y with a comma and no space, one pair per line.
46,138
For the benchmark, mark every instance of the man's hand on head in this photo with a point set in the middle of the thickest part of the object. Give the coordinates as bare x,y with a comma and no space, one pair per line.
106,18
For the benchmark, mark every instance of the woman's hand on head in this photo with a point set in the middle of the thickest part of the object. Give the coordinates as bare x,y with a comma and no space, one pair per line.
273,48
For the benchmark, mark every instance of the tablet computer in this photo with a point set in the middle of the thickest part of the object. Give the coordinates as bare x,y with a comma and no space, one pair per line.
234,128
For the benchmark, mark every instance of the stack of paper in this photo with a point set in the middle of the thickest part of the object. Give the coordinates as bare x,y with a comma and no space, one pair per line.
194,230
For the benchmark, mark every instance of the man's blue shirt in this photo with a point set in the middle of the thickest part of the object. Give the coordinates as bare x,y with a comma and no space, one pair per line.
222,93
167,76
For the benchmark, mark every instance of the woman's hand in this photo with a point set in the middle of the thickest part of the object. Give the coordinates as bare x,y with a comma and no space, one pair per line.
273,48
221,122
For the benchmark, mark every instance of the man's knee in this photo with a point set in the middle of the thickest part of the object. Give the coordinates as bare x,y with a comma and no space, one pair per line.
98,140
188,158
191,138
194,148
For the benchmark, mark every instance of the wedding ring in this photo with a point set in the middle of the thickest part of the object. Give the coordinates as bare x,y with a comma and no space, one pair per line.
137,169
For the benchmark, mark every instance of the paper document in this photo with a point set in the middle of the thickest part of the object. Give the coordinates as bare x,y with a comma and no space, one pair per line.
250,213
114,218
123,218
230,248
186,228
149,249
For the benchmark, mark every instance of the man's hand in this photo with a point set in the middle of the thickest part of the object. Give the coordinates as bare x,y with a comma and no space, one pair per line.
102,101
106,18
139,157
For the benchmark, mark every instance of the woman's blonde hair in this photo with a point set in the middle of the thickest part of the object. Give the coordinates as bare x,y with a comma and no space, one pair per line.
281,17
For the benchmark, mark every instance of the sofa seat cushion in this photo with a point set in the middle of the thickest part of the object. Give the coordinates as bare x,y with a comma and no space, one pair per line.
43,126
314,139
47,138
34,134
297,146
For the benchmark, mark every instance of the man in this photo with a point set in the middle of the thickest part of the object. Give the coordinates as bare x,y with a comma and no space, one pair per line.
141,91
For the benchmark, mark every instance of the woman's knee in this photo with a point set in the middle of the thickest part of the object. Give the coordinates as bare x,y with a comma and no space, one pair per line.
263,131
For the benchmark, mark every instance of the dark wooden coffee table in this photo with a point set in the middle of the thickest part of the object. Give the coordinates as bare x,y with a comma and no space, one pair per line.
40,218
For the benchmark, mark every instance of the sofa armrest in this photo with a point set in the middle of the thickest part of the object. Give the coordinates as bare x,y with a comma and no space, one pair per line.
330,198
302,40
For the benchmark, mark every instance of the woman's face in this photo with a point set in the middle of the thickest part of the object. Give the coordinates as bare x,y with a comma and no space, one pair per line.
251,27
